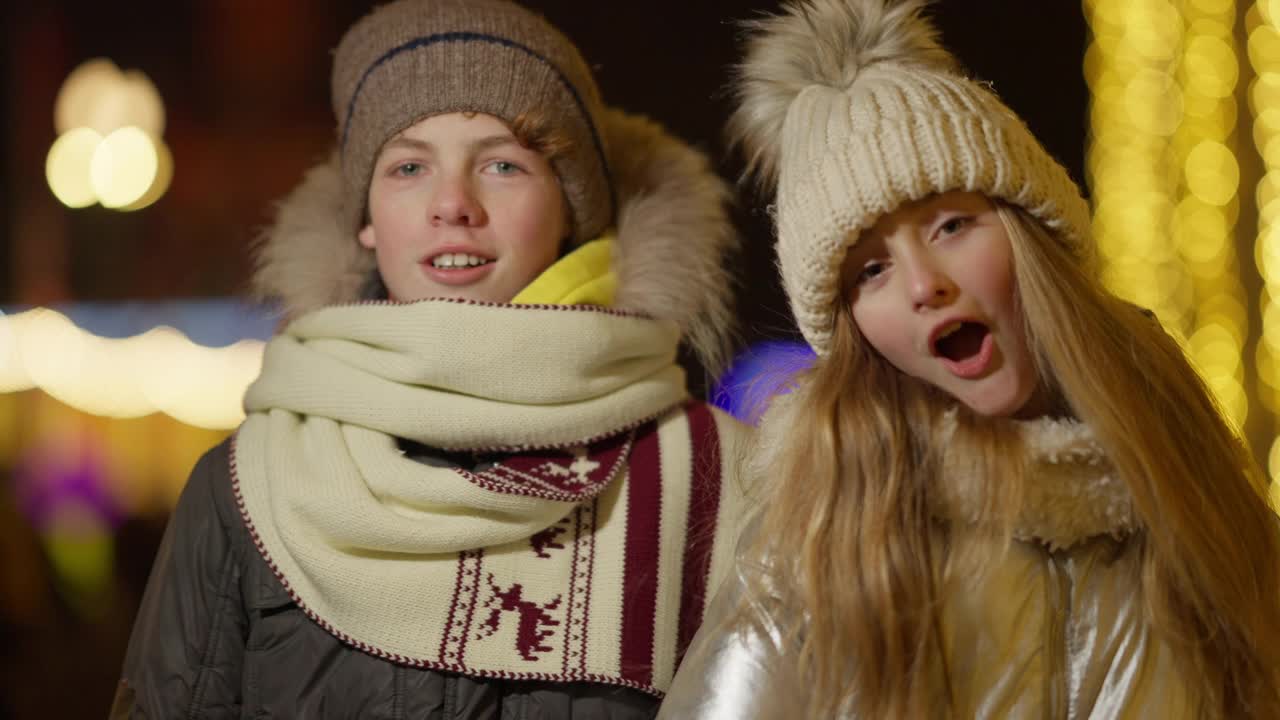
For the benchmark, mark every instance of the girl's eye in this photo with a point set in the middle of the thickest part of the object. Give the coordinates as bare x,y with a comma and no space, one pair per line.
503,167
955,225
870,271
408,169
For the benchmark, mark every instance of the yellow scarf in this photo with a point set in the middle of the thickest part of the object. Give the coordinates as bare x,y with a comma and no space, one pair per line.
583,277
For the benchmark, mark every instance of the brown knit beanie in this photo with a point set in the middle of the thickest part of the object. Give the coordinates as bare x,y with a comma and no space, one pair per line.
412,59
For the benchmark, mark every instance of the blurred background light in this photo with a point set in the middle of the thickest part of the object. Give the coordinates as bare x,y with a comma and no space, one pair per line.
757,374
1164,173
68,167
109,149
98,95
157,369
1263,99
124,167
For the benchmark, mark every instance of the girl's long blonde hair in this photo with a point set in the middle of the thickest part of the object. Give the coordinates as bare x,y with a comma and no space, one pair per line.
851,545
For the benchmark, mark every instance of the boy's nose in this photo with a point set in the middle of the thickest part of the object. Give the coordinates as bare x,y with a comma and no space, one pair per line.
454,203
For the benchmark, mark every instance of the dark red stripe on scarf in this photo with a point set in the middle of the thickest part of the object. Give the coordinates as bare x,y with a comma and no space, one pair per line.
475,557
451,625
640,572
466,585
704,506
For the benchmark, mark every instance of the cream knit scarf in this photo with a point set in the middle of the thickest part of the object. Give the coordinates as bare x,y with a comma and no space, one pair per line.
562,562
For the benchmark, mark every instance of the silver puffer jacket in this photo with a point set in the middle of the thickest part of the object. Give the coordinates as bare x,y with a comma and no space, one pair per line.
1055,630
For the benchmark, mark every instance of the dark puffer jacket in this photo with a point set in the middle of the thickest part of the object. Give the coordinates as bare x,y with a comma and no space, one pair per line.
218,636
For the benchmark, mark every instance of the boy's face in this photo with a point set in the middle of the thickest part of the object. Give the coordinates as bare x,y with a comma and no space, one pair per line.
458,208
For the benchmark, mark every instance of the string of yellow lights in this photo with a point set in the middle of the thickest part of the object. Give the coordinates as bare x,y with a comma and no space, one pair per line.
1264,105
1164,176
158,371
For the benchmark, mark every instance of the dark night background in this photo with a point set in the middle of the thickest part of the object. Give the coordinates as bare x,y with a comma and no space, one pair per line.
245,85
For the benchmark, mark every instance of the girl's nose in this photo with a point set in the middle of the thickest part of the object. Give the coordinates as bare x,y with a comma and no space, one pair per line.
928,284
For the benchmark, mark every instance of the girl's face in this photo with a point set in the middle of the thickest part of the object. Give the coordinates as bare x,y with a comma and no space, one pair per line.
931,288
458,208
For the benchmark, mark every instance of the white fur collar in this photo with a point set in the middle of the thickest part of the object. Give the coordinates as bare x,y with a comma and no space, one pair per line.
1072,494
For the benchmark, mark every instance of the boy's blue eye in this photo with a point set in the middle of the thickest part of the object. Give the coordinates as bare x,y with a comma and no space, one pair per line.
503,167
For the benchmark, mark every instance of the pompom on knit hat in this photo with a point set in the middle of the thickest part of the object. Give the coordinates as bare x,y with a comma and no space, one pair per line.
850,109
411,59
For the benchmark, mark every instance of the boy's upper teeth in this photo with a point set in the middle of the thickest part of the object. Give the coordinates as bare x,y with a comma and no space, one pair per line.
452,260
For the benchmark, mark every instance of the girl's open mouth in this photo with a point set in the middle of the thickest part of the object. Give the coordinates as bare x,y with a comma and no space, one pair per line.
965,348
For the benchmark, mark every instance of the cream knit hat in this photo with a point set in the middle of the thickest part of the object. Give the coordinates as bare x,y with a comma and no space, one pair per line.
850,108
411,59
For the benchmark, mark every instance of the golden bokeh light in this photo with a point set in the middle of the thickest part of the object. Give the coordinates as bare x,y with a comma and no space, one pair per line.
1216,349
158,371
124,166
1264,46
1229,392
1212,173
1152,27
1218,8
1273,466
1154,102
13,373
98,95
1163,172
81,92
1211,67
109,150
1229,313
67,167
161,180
1264,104
1264,92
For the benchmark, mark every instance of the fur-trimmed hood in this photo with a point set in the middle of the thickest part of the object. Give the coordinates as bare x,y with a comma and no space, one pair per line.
673,237
1072,492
